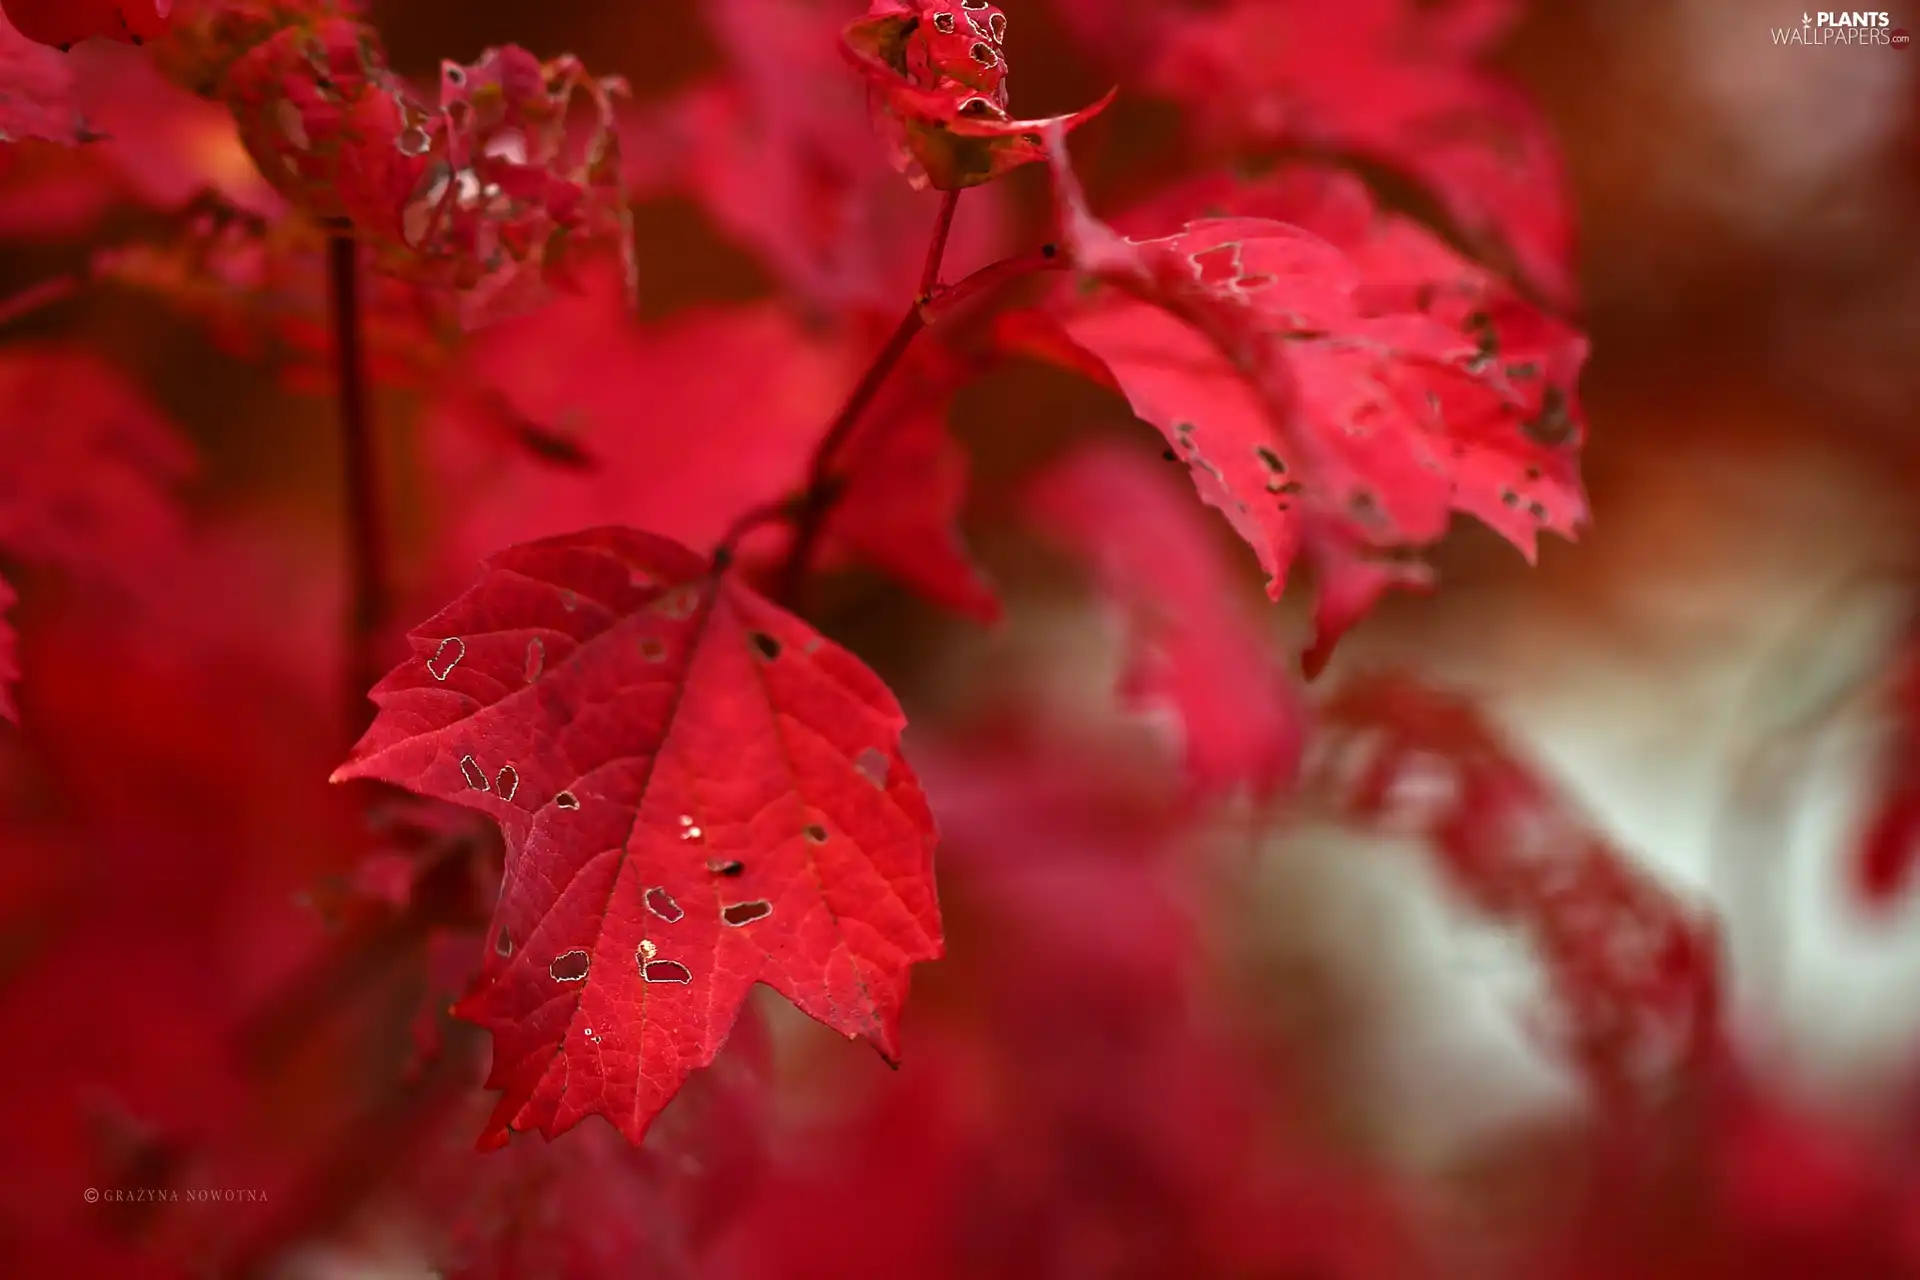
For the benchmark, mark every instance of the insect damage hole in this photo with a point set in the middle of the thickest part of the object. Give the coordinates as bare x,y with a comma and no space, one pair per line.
570,966
476,776
764,645
816,833
503,943
873,765
507,781
726,866
662,904
567,800
746,912
666,971
943,23
442,663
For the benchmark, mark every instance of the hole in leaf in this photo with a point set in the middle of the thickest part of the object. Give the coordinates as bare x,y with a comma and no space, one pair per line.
746,912
681,602
998,25
570,966
816,833
653,649
1554,425
981,108
442,663
507,781
536,658
726,866
982,52
973,4
456,76
943,23
1537,511
503,943
873,763
662,904
1509,497
567,800
765,645
476,776
666,971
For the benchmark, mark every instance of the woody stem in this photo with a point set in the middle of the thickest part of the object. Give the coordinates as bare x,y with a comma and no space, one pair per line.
366,525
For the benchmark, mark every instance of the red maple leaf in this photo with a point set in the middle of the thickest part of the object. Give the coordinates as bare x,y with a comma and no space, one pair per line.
1393,81
66,22
1323,413
937,70
698,793
1193,651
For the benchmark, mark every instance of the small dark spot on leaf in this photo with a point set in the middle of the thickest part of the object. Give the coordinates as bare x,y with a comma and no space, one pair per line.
1533,473
726,867
1536,510
653,649
746,912
1170,455
1291,486
1269,459
456,76
1554,425
765,645
816,833
1509,497
570,966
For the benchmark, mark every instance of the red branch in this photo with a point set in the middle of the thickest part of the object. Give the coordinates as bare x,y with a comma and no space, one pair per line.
370,590
808,513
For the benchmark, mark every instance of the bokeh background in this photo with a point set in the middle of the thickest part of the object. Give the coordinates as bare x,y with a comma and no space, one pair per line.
1272,1051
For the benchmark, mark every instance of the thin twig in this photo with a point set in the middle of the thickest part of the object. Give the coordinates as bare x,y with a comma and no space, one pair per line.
937,250
368,606
824,486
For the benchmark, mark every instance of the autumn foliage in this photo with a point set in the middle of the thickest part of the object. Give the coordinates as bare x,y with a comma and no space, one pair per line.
612,747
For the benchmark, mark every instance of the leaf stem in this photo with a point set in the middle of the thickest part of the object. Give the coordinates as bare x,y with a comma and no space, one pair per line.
366,525
809,512
937,250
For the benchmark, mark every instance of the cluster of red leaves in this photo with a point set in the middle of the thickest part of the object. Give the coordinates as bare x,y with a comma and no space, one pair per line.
697,790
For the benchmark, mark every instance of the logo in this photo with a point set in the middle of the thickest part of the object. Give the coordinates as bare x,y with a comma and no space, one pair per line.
1848,27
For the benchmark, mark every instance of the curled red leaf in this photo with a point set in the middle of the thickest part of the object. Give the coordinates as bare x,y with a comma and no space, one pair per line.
1325,403
699,793
1634,970
937,72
